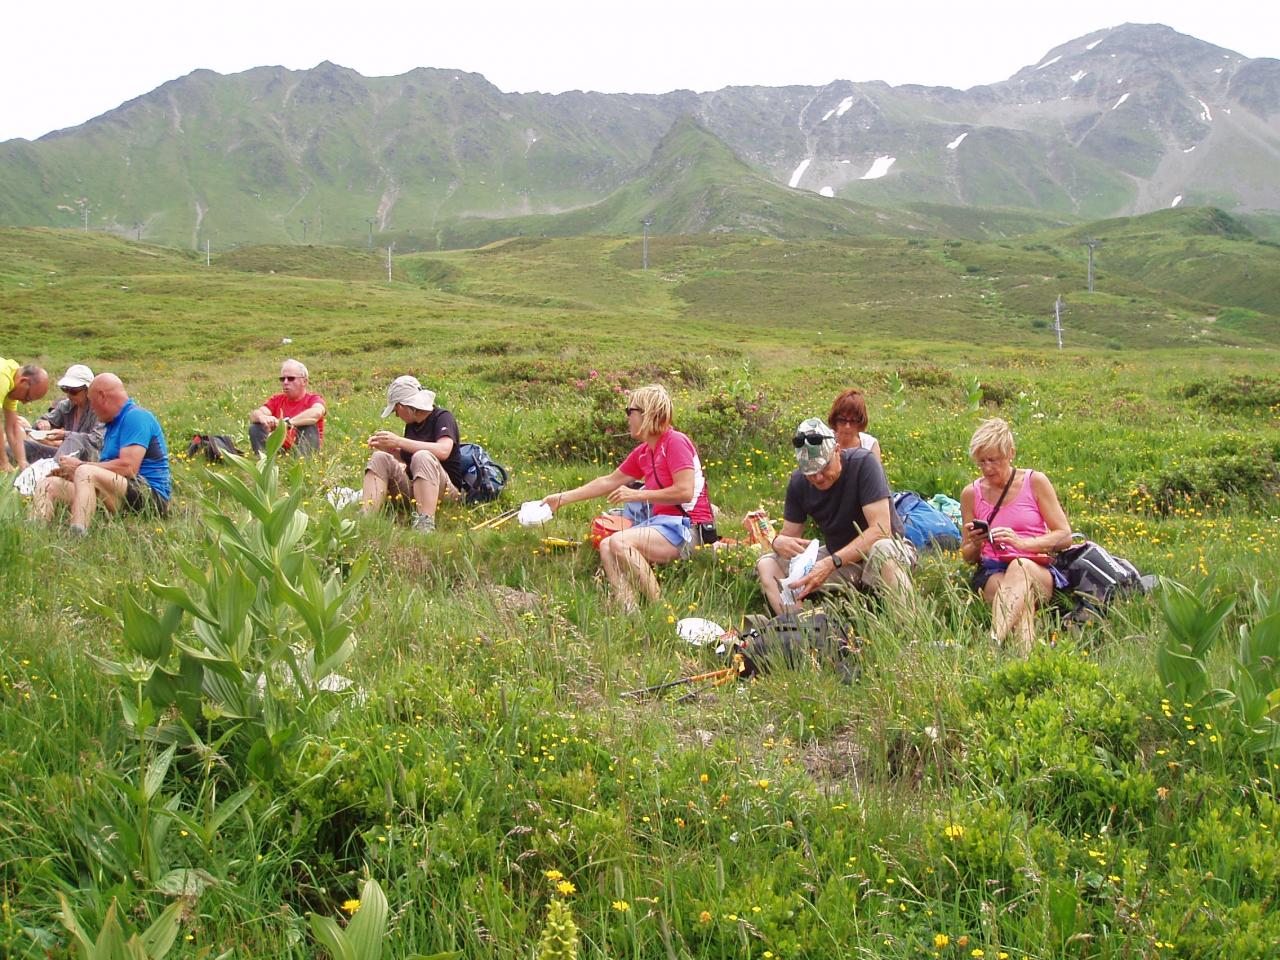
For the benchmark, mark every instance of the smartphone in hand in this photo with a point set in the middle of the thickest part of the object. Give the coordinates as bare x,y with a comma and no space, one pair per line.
982,527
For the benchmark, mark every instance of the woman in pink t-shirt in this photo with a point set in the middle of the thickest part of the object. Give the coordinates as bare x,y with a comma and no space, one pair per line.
1012,522
673,487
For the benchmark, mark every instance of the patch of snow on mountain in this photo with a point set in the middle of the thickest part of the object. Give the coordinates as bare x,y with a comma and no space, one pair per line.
1206,116
826,192
846,161
1176,200
1049,63
1189,149
879,168
845,104
1217,70
799,172
957,141
1120,101
1079,75
1090,46
827,116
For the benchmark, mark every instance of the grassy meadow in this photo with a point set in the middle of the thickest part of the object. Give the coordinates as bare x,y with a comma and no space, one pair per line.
172,761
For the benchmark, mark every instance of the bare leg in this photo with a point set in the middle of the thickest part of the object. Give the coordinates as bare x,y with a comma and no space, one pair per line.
94,484
896,584
426,495
49,491
770,570
374,494
1013,597
626,556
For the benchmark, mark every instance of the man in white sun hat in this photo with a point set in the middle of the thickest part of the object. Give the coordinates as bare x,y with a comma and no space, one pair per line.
423,466
70,428
848,498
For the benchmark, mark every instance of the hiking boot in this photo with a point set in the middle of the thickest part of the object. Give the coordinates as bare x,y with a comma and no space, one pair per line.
423,523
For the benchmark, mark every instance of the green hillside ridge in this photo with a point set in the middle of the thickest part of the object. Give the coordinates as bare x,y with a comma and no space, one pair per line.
751,288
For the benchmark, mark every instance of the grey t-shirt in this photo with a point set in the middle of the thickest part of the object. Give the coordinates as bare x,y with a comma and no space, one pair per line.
838,511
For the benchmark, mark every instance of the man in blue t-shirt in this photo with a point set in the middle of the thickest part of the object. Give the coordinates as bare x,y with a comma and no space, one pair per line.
133,473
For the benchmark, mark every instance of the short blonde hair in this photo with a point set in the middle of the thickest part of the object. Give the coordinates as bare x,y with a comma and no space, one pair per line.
993,434
655,408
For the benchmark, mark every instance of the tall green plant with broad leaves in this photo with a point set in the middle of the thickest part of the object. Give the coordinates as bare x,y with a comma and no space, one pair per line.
973,394
364,937
897,389
1194,624
1250,702
244,653
115,942
1255,676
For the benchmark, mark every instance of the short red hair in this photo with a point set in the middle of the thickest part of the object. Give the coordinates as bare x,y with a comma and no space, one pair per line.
850,405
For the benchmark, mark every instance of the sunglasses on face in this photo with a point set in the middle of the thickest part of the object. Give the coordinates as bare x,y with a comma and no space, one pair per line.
74,390
844,421
812,439
289,379
631,410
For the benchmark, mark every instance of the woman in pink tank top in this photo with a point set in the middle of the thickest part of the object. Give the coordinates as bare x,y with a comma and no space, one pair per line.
1012,522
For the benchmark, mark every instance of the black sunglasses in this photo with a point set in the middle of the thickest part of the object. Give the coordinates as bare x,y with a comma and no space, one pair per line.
812,439
631,410
74,389
289,379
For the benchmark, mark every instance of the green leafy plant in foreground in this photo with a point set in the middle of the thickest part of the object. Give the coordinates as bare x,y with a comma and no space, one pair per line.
269,630
1251,699
363,938
116,942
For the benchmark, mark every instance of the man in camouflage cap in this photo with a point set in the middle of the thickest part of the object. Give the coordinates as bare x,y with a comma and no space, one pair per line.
847,496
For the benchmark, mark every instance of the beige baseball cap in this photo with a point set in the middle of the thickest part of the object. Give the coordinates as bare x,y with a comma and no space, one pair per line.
77,375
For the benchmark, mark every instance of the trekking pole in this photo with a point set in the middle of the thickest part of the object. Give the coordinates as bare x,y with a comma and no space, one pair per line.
492,523
720,674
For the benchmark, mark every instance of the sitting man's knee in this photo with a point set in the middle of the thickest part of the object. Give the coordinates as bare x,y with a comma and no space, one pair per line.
424,463
380,462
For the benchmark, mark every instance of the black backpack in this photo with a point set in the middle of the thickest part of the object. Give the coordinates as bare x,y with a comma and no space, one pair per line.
482,478
790,640
1095,578
214,445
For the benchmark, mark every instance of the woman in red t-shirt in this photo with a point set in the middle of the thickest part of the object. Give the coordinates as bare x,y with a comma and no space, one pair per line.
673,487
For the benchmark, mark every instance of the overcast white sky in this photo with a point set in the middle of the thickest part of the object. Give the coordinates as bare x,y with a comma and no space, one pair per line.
65,63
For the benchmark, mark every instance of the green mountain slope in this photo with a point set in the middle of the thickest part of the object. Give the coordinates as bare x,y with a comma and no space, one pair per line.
1130,119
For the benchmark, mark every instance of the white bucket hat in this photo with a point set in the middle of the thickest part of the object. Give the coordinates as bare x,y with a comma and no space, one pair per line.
408,390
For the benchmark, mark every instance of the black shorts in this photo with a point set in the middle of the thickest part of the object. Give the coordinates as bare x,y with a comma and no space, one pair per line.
141,497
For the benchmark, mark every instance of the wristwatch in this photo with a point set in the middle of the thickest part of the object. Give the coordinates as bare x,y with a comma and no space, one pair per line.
837,561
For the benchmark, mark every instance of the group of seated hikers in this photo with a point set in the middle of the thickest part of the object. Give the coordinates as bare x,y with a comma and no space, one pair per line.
102,449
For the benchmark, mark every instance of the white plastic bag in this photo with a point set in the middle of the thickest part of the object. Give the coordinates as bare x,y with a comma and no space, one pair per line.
533,513
25,482
698,631
801,564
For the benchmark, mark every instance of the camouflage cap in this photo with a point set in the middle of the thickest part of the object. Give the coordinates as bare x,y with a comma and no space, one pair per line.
815,445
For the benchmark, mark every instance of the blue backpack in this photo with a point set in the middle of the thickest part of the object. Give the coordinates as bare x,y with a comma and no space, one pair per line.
924,524
482,478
